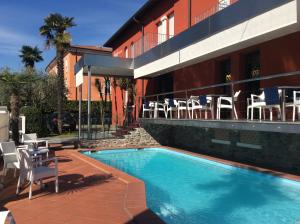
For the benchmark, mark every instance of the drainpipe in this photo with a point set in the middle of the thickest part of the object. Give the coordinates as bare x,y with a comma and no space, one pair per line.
189,13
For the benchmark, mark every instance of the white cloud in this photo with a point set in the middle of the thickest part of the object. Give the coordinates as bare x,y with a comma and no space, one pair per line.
11,41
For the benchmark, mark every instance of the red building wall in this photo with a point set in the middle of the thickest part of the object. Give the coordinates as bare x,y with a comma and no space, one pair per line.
276,56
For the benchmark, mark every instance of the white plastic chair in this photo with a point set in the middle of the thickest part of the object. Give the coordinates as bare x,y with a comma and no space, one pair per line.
10,156
181,106
256,102
193,106
6,218
226,103
295,104
148,106
171,105
36,170
272,101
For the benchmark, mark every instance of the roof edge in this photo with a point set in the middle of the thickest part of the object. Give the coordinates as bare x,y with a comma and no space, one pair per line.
128,22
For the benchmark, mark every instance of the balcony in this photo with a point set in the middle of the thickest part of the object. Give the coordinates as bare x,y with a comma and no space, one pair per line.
151,40
250,110
219,31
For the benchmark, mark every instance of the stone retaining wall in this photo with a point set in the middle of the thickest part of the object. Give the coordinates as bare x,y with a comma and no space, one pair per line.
137,138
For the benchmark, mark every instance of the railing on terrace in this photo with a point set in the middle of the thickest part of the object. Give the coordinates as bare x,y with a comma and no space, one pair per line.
213,10
253,96
151,40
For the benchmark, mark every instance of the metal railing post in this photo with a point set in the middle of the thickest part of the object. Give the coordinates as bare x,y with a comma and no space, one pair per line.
89,101
139,108
232,98
187,108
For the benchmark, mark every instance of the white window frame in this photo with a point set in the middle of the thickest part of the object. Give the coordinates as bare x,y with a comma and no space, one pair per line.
171,21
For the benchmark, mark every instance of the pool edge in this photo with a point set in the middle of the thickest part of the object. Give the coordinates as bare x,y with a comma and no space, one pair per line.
254,168
135,195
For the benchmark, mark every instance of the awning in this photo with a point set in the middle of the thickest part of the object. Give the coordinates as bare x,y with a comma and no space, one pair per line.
105,65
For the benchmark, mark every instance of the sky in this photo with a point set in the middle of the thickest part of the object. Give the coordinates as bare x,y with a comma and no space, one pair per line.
96,20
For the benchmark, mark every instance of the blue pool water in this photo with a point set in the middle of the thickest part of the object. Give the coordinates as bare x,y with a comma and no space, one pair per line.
189,190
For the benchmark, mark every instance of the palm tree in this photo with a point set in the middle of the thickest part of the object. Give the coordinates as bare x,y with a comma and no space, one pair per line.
30,55
15,83
55,32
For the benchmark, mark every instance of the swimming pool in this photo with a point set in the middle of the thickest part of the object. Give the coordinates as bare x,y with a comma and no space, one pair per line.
190,190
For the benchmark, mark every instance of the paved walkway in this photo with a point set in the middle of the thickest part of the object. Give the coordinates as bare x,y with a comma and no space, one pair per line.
89,193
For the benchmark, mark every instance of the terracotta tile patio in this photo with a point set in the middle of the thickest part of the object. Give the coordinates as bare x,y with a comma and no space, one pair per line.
89,193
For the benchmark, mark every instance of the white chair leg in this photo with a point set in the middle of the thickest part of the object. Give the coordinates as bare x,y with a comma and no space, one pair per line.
252,113
30,190
56,184
248,113
18,185
271,114
235,113
143,114
294,113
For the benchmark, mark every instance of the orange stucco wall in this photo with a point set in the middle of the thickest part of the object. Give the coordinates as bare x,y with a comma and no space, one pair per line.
70,60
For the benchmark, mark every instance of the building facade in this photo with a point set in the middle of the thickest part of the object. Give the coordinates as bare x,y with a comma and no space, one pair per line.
183,44
72,56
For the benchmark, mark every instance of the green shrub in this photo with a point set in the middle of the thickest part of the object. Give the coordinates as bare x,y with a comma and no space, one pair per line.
36,121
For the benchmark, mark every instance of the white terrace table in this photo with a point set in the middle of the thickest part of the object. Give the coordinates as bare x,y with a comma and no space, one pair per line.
36,150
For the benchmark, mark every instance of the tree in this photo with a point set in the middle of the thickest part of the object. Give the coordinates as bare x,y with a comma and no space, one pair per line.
55,32
30,55
14,85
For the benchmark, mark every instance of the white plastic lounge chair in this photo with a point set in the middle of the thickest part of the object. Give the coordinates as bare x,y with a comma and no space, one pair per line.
36,170
226,103
6,218
10,156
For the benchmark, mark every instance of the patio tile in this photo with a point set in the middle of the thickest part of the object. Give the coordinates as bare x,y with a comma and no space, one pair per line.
87,195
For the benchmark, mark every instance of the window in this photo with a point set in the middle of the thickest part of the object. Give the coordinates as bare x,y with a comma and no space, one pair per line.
171,25
132,50
162,30
223,4
126,52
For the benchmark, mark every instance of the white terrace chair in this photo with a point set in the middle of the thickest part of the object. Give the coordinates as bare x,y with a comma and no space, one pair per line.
255,102
193,106
272,101
171,105
295,104
181,106
6,218
226,103
34,171
207,105
148,106
10,157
